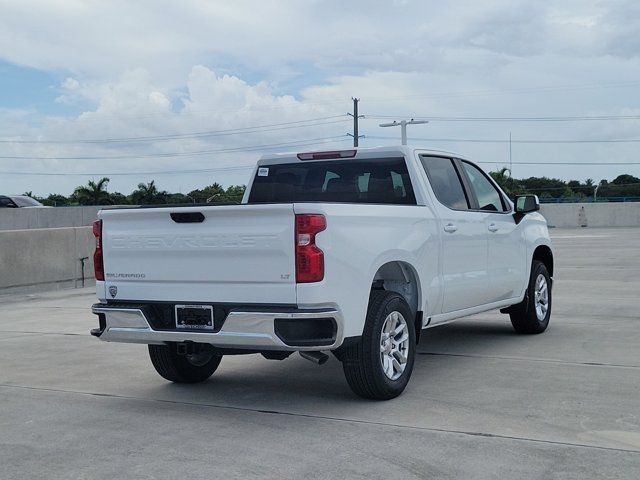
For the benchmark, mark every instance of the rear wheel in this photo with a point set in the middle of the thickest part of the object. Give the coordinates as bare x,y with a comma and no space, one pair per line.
380,364
533,313
189,368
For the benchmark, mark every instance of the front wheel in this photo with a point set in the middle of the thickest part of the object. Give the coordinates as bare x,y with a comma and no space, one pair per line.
533,313
190,368
380,364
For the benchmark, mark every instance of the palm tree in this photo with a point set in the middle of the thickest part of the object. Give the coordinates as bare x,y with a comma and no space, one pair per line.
147,193
94,193
510,185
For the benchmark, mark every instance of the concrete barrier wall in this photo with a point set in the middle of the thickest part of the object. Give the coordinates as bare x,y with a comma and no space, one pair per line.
572,215
45,259
557,214
33,258
56,217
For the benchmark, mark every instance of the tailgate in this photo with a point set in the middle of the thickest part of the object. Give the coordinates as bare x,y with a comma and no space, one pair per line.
236,254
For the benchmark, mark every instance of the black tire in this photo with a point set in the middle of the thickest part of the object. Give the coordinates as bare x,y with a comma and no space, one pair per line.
524,317
362,363
182,368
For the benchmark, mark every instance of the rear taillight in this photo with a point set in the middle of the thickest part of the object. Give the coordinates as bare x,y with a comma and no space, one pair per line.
98,264
309,258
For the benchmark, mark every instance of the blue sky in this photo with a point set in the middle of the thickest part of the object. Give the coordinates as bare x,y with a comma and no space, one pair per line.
77,71
30,89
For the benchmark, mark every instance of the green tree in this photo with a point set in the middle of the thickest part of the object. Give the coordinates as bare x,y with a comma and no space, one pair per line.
235,192
537,185
148,194
511,186
117,198
621,186
177,198
568,193
94,193
56,200
211,192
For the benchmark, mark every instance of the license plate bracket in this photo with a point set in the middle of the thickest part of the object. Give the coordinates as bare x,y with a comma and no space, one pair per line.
194,317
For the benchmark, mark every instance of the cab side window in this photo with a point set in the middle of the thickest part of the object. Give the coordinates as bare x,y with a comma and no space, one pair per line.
445,181
489,198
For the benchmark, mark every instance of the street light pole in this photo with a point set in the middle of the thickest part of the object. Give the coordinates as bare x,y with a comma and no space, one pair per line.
403,127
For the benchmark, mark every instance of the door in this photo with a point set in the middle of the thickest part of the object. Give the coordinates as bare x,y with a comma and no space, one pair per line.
506,258
464,241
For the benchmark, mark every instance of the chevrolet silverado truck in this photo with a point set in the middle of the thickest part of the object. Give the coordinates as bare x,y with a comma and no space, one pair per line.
353,252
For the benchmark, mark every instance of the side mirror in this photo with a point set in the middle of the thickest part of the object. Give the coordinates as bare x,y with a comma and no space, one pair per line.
527,204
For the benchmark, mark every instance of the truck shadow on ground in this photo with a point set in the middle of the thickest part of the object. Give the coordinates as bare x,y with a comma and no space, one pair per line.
468,333
295,380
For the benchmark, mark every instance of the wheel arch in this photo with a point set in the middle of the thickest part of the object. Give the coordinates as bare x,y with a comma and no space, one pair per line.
544,254
401,277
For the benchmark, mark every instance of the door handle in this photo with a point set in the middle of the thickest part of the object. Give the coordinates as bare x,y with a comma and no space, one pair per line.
450,228
187,217
493,227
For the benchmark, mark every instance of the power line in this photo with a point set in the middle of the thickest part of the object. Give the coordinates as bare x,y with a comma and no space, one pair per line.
487,140
196,112
337,100
183,154
515,119
374,99
230,131
116,174
445,94
161,172
567,163
515,91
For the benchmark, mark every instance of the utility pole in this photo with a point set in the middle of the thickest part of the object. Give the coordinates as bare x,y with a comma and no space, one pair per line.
355,116
403,126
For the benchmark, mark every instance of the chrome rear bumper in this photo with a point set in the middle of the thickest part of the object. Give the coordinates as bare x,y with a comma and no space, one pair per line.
251,330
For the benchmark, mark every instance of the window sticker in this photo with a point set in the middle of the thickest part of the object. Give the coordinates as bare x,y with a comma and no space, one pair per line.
263,171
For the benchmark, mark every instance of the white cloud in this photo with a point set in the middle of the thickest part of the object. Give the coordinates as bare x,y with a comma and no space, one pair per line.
104,39
134,106
70,84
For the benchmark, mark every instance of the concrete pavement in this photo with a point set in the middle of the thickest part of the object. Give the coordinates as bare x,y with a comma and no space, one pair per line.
483,402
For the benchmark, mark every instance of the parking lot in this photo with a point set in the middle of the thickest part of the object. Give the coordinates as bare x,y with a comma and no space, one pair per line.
483,401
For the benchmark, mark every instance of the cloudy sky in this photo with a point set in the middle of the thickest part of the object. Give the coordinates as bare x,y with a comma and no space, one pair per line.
192,92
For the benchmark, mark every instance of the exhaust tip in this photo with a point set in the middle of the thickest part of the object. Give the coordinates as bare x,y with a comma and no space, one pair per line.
319,358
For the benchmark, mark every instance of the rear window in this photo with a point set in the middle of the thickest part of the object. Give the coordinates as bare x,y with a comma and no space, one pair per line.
381,181
23,201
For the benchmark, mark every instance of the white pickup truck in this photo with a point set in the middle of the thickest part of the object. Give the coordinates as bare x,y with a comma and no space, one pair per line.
353,252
